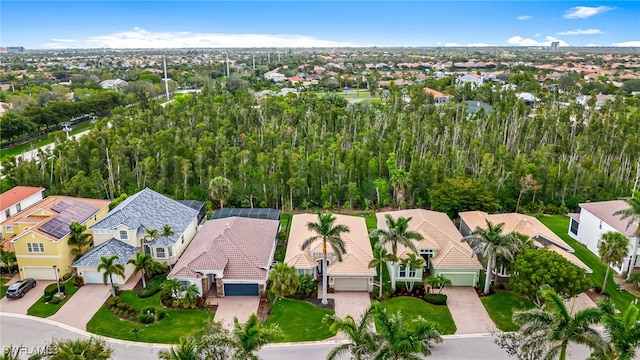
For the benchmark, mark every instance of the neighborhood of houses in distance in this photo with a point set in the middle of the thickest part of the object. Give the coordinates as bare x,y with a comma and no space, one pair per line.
231,253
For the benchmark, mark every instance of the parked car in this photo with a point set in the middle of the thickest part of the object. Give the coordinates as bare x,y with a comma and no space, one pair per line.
18,289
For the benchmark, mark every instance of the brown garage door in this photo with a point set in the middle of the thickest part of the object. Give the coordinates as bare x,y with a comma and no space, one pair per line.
351,284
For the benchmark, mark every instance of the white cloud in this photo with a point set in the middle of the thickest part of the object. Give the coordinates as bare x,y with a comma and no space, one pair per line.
62,40
537,35
593,45
633,43
524,17
480,44
520,41
583,12
141,38
581,32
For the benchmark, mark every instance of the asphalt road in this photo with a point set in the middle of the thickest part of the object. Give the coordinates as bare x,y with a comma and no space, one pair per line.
34,334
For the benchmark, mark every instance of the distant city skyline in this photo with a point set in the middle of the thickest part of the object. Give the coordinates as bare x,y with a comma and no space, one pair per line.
255,24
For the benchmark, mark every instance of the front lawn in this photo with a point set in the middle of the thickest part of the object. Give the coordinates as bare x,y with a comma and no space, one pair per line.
501,307
299,320
178,323
43,309
3,286
559,224
412,307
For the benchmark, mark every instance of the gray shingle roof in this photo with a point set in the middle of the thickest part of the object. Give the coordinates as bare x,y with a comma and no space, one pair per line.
107,249
149,209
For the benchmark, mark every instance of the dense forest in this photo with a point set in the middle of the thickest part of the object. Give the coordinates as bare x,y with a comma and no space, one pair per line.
313,150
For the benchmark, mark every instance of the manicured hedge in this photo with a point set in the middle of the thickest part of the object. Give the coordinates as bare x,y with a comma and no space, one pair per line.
436,299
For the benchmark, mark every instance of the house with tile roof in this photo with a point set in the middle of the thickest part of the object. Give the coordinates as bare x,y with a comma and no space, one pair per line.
597,218
441,247
229,257
439,98
523,224
126,224
39,234
15,200
350,274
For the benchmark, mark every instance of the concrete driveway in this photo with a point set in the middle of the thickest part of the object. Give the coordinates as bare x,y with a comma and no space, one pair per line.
20,306
239,306
467,311
81,307
353,303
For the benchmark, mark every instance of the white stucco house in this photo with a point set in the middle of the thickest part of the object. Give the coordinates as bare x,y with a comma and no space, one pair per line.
15,200
597,218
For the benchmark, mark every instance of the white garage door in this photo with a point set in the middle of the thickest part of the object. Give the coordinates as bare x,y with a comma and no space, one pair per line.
351,284
93,277
39,272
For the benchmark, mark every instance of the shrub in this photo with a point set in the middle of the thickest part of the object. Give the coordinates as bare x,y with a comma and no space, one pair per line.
436,299
113,301
162,314
55,300
146,318
148,310
51,289
78,281
47,297
66,276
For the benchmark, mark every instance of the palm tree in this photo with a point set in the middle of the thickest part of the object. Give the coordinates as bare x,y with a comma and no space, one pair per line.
187,349
172,286
400,340
284,280
110,268
79,239
92,348
8,259
489,243
633,214
412,261
380,258
612,250
220,189
249,337
622,329
189,296
398,233
554,327
152,234
329,234
363,341
167,231
437,282
143,263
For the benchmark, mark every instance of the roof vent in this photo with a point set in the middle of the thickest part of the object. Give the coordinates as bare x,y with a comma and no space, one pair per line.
227,225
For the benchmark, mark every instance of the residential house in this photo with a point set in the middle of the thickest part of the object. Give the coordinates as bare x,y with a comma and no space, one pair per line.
523,224
15,200
39,234
123,232
438,97
529,99
599,100
229,257
441,248
350,274
473,81
275,76
597,218
115,84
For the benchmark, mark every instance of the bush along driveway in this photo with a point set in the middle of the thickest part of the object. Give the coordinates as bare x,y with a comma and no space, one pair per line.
47,305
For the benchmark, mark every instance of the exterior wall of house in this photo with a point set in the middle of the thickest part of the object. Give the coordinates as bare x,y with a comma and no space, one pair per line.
193,281
56,253
465,229
394,273
20,205
101,235
188,235
369,280
128,272
459,277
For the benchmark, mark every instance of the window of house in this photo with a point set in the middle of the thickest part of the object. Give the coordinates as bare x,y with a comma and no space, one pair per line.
403,271
185,283
9,229
600,226
301,272
574,227
160,252
7,213
182,238
35,247
124,235
412,273
101,231
170,251
18,207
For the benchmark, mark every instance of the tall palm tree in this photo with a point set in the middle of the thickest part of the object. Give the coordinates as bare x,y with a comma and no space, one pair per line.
220,189
633,215
397,233
401,341
553,327
329,234
612,250
92,348
152,234
187,349
622,329
167,231
363,341
79,239
172,286
380,258
143,263
489,243
412,261
284,280
251,336
110,268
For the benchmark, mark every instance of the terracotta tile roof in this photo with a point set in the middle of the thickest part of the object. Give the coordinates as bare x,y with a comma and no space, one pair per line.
440,234
15,195
61,210
604,210
358,253
435,93
240,247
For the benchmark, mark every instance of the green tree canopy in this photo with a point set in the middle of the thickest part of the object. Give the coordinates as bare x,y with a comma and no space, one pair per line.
461,194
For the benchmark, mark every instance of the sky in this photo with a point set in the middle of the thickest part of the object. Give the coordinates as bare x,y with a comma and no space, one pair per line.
250,24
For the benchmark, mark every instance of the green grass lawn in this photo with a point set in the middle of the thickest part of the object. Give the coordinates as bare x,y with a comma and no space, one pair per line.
177,324
41,141
412,307
43,309
501,307
560,225
299,320
3,286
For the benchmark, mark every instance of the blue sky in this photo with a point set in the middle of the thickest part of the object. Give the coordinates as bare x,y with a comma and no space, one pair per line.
171,24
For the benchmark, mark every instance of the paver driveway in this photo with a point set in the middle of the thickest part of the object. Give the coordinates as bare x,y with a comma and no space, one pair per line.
467,311
78,310
239,306
20,306
353,303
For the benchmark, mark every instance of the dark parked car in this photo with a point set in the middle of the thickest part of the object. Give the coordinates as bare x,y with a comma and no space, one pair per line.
18,289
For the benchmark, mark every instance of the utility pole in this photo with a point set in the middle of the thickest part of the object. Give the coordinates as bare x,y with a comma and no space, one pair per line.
166,80
268,57
254,60
227,64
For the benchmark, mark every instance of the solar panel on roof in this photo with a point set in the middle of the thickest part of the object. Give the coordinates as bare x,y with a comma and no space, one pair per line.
56,227
68,212
255,213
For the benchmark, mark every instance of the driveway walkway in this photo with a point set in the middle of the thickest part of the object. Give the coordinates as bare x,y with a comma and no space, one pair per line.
353,303
78,310
239,306
467,311
20,306
581,302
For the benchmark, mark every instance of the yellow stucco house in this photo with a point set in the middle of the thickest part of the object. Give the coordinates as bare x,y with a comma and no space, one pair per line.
39,234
